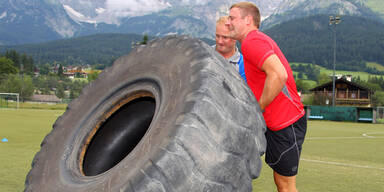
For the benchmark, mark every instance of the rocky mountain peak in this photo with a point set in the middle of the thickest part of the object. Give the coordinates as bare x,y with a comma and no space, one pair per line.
54,19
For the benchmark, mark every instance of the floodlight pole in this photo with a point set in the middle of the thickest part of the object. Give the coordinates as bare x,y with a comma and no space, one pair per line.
334,21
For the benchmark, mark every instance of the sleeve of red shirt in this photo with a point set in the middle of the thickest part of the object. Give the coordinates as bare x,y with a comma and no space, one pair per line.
258,51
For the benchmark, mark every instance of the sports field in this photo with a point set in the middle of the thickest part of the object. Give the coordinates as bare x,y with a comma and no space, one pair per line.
336,156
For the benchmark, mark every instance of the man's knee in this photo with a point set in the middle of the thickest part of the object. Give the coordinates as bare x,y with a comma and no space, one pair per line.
284,183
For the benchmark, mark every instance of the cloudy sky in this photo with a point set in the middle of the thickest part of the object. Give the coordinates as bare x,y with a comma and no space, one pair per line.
123,8
115,9
111,11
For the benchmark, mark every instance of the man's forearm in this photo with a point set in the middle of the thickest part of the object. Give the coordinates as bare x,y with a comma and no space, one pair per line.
272,87
276,76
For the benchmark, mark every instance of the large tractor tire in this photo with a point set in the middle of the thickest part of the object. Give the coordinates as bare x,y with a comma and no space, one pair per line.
171,116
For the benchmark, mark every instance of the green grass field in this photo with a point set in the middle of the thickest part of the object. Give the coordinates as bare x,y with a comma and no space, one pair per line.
337,156
375,65
26,105
25,130
363,75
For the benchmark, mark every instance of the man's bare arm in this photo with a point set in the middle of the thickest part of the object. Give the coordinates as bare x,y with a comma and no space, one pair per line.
275,80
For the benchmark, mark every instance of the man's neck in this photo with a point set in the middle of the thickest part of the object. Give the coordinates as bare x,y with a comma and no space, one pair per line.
229,54
247,32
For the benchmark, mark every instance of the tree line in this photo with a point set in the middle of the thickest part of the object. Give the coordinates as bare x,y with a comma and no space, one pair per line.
98,50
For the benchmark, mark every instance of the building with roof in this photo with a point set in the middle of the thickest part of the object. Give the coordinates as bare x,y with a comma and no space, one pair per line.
347,93
45,98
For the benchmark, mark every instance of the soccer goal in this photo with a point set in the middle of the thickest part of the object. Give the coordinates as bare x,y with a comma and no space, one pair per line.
9,100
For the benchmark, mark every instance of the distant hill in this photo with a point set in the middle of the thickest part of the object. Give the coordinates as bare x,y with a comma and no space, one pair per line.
93,49
306,40
100,49
310,40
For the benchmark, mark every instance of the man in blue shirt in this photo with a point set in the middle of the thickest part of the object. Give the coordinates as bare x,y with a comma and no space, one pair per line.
226,46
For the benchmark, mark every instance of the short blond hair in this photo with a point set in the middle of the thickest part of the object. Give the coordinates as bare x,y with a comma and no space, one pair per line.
248,8
222,20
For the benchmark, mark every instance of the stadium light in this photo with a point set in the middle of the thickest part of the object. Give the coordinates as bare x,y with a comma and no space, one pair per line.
334,20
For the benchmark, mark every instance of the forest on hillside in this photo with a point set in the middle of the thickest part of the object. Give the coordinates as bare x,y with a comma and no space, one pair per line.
99,50
311,40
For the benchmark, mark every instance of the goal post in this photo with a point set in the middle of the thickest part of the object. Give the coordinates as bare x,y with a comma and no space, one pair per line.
6,97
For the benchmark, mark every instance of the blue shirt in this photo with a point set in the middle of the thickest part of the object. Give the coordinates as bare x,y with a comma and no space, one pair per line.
241,67
237,60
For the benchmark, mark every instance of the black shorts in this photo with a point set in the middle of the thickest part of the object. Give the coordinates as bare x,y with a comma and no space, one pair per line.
284,147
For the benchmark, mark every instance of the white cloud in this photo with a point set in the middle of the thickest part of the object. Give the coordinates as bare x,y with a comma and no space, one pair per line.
70,10
77,16
124,8
100,10
195,2
4,14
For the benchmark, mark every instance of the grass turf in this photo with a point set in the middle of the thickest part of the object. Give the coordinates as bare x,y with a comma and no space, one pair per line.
25,130
27,105
363,75
336,155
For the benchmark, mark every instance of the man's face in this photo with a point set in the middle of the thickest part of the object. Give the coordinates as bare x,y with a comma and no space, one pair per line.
224,44
236,24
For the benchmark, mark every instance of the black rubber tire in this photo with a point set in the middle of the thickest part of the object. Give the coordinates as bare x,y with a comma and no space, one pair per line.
171,116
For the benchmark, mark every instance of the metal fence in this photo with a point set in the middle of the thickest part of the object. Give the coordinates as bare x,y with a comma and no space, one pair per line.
380,114
342,113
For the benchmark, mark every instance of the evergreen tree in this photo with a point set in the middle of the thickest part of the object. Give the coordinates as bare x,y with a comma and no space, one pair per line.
18,84
312,72
60,91
15,57
145,40
378,99
302,85
60,71
7,67
300,75
44,69
323,78
27,63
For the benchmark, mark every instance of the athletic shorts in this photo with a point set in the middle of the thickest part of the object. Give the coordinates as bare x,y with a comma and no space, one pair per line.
284,147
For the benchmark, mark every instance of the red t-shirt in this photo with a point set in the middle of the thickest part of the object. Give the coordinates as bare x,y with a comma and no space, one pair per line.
286,108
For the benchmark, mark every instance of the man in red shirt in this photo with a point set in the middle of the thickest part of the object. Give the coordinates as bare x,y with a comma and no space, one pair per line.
270,78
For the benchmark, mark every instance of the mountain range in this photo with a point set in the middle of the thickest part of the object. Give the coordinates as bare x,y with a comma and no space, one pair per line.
31,21
304,40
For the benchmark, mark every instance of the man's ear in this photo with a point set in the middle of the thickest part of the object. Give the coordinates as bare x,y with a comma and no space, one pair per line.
248,19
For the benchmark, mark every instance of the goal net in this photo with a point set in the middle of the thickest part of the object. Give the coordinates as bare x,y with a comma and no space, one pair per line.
9,100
